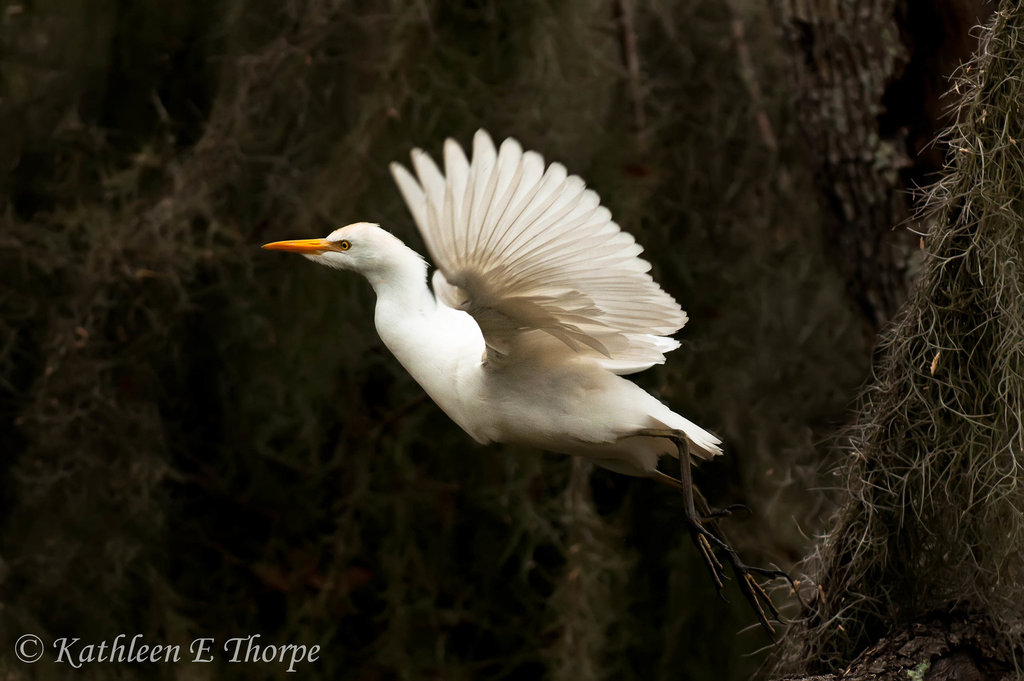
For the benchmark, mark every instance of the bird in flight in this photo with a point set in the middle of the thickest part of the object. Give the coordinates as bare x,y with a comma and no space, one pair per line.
538,306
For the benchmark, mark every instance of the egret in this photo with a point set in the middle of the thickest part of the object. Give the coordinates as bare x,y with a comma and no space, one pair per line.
538,306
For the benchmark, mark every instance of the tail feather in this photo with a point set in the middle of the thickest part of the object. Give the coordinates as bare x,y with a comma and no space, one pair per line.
703,444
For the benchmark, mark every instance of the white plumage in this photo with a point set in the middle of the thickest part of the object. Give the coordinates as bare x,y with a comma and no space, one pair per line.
540,302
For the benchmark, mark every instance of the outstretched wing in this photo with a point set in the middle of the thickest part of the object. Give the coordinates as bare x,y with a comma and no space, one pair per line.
531,254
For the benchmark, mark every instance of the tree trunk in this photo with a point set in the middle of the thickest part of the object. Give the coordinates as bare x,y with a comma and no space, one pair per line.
869,80
935,517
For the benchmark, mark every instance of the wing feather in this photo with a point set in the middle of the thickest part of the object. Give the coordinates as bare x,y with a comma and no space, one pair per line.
531,253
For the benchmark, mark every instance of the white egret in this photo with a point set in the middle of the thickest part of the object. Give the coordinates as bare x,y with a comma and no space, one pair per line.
540,304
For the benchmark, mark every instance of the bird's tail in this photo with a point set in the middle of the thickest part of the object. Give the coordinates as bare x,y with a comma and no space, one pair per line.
703,444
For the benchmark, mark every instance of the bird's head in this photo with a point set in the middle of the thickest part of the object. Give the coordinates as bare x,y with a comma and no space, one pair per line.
361,247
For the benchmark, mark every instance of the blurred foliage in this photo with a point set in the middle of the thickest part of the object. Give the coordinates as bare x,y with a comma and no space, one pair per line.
203,439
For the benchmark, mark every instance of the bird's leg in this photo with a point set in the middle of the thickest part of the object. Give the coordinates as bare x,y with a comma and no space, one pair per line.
701,536
709,538
712,513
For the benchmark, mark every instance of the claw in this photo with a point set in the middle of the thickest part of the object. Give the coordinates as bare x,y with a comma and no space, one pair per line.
716,513
711,561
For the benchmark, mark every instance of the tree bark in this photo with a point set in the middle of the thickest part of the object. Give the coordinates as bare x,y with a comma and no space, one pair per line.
845,55
869,80
933,651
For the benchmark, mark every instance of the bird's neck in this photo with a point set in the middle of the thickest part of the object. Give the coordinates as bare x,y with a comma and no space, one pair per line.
404,302
437,345
441,348
401,284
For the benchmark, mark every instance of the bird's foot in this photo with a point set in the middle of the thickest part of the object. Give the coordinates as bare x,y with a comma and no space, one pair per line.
707,537
717,513
713,546
746,579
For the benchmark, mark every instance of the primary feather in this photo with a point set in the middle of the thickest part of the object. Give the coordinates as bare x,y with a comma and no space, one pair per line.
524,248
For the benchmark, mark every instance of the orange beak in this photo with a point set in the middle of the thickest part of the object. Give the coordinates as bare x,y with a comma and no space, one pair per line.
311,246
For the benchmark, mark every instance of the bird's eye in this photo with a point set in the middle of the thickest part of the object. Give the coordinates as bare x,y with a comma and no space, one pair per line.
343,245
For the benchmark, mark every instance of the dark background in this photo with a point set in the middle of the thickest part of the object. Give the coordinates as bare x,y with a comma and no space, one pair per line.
199,438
